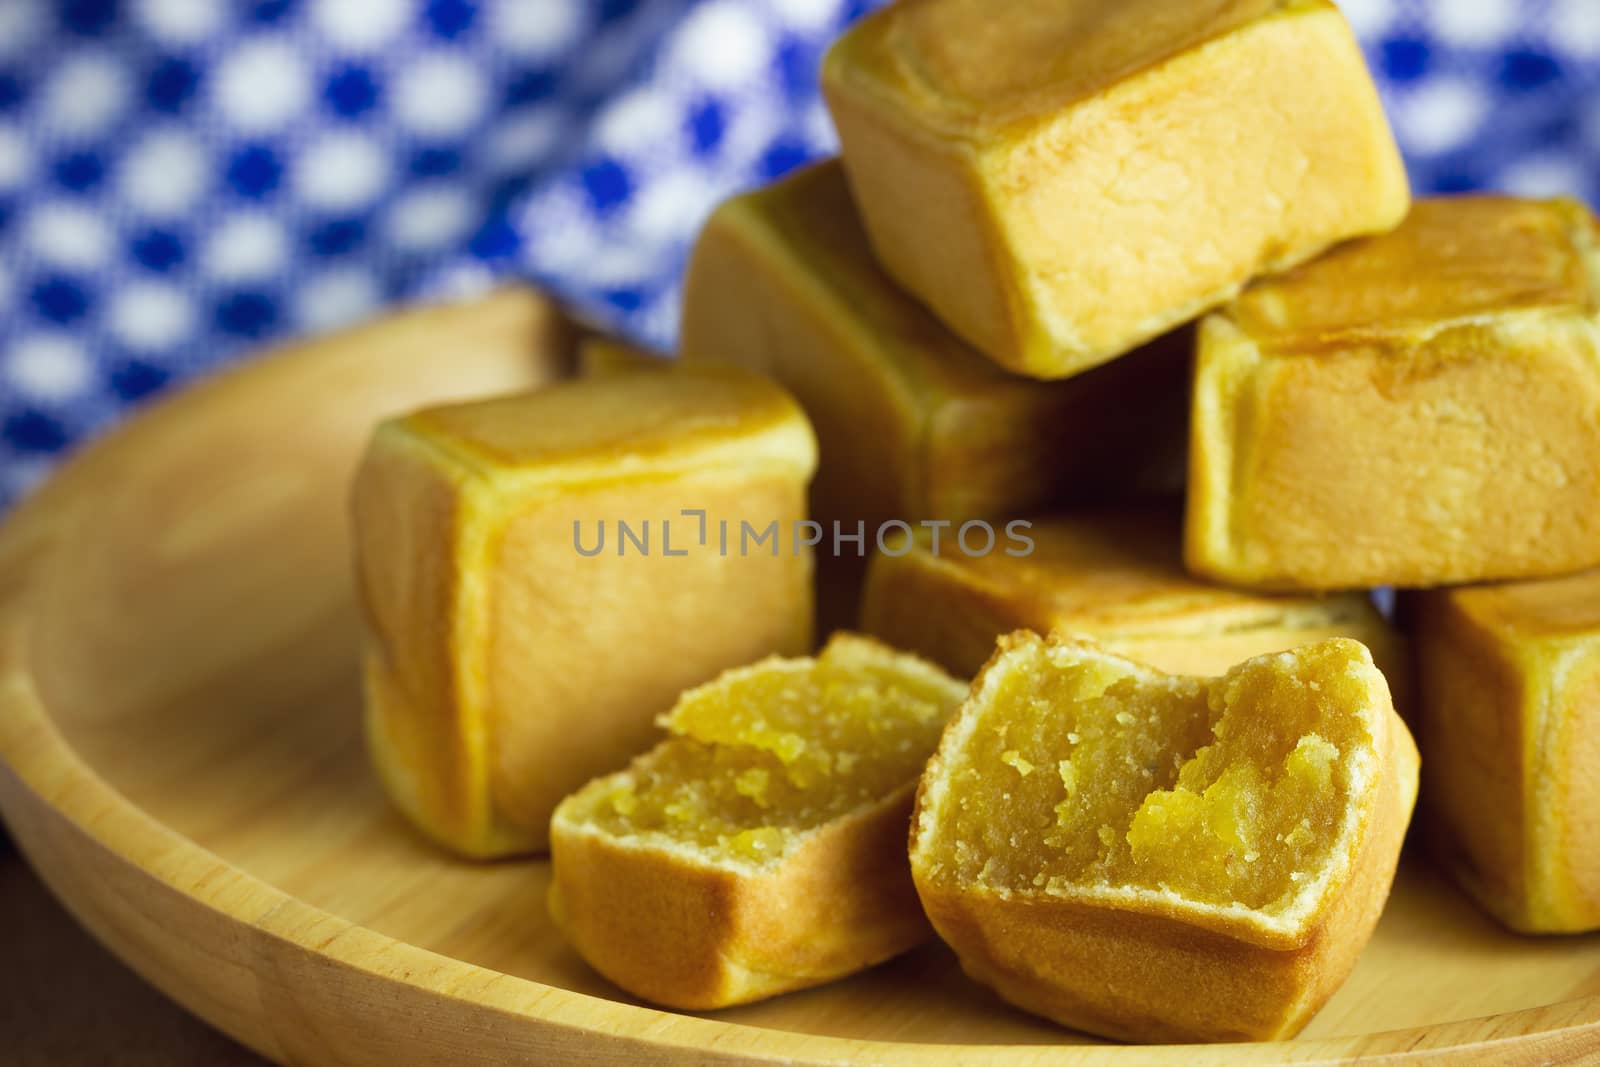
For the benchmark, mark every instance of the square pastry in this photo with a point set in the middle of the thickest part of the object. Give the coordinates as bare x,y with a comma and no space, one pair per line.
1115,576
1061,180
1416,409
911,422
1508,721
541,575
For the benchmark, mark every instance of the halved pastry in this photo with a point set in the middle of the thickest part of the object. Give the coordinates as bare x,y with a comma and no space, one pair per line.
1155,857
761,847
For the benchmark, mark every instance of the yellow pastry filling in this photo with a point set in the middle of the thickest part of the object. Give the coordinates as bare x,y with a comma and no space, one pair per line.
765,753
1084,771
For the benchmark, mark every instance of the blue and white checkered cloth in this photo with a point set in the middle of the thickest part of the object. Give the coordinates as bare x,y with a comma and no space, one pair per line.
183,180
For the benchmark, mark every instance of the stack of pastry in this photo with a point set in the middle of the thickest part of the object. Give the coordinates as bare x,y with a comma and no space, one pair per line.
1065,239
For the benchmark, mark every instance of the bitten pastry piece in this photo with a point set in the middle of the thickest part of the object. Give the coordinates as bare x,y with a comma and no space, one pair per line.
761,848
1061,180
1116,576
534,595
911,422
1154,857
1508,720
1414,410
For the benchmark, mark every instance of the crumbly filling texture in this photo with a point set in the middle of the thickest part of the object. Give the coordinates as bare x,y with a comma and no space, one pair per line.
1082,771
766,753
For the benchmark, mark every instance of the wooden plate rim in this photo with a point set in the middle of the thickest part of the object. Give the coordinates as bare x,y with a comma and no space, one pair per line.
43,780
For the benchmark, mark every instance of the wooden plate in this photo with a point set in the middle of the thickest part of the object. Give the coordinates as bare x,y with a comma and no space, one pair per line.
180,758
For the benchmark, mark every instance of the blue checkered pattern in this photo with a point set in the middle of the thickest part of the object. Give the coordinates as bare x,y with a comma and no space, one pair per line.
184,180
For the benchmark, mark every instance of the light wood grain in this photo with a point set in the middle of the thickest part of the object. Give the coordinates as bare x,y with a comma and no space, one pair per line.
180,759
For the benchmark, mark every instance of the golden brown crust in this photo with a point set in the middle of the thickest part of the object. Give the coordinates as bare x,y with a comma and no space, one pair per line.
1453,260
1414,410
1506,720
1540,609
1138,972
1573,790
968,167
576,670
568,431
1116,576
599,356
1466,720
408,523
911,422
967,69
504,667
683,933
